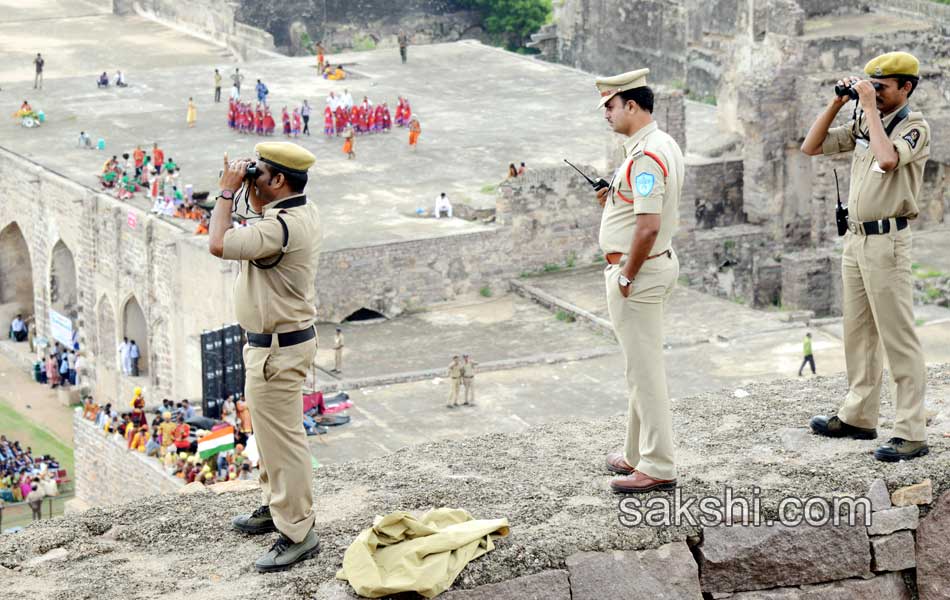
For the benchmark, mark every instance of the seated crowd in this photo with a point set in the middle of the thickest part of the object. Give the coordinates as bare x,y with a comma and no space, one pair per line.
26,478
172,433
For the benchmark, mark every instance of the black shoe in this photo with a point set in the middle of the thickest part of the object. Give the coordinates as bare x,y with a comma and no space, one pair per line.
897,449
836,428
257,522
285,554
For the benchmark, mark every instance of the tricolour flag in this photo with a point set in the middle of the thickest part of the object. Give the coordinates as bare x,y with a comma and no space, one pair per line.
220,440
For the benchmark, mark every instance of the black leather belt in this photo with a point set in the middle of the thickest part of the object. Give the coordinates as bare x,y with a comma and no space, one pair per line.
289,338
876,227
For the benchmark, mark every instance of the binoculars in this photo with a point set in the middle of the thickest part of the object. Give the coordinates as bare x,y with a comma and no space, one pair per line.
847,90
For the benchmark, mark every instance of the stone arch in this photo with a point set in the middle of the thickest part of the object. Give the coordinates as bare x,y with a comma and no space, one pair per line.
105,319
364,314
16,276
63,291
135,327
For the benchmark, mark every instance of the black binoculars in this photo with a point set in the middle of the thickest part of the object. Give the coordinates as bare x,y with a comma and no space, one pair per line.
251,173
847,90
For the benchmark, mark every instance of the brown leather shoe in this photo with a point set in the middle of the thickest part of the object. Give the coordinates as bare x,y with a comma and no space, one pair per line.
616,463
639,483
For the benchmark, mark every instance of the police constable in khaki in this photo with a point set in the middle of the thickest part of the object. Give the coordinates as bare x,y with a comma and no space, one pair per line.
891,145
640,216
455,377
274,303
468,379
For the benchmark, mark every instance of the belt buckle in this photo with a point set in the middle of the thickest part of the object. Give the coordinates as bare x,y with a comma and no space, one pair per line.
880,226
853,227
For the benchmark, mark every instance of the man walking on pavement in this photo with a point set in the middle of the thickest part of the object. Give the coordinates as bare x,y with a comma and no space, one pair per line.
455,376
809,357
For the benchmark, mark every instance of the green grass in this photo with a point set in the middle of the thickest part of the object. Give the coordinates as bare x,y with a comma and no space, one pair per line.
551,268
922,272
17,427
919,322
489,188
565,316
932,293
363,42
485,291
571,260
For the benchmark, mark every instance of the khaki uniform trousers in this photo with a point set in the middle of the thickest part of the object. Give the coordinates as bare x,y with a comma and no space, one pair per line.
338,359
469,383
638,324
879,312
273,387
454,390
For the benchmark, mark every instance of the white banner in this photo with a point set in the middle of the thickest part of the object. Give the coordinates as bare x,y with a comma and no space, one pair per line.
61,328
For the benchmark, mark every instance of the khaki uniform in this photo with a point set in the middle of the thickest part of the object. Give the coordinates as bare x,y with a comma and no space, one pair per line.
279,300
338,352
455,375
638,319
876,272
468,381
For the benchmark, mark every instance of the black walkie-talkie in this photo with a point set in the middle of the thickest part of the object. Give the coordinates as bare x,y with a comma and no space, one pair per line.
841,212
597,185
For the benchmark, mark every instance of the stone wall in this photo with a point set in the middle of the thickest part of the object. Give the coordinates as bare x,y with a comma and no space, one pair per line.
109,473
712,193
360,24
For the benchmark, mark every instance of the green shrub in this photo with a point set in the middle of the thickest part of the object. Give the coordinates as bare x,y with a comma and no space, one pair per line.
485,291
565,316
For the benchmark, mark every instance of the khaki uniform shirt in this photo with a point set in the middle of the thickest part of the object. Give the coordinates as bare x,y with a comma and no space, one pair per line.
279,299
455,370
468,370
338,341
620,217
876,194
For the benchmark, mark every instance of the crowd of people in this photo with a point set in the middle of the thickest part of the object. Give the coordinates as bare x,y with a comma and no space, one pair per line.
26,478
245,119
171,436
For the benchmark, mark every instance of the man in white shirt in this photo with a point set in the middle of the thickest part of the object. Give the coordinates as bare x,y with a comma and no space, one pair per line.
125,358
347,100
442,204
18,329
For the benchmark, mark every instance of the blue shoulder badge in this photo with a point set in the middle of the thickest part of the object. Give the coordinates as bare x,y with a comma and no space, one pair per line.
644,183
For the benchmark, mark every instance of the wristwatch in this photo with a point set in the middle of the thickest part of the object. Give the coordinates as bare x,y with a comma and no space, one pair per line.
226,194
624,281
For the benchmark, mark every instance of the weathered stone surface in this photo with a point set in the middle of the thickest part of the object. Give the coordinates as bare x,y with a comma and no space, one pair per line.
933,552
919,493
195,487
234,486
54,555
894,552
667,572
883,587
894,519
547,585
750,558
879,496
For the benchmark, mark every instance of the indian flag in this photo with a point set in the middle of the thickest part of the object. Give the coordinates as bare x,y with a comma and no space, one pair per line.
220,440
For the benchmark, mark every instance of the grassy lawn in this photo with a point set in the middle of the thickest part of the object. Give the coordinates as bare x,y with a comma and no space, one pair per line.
17,427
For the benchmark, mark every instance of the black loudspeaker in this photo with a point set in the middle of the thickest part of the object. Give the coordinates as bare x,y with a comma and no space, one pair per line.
222,368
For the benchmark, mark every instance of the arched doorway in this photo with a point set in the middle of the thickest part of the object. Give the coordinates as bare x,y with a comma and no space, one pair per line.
105,318
135,328
63,292
16,271
364,314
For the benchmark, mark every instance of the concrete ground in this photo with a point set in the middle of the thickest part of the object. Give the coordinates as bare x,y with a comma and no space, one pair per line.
865,23
548,481
932,249
520,110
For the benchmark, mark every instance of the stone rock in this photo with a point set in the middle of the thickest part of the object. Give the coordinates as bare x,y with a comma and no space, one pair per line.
933,552
893,552
195,487
894,519
751,558
667,572
234,486
553,585
54,555
919,493
879,496
883,587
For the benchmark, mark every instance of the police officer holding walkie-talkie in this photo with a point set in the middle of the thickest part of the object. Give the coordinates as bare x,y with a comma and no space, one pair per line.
891,145
274,303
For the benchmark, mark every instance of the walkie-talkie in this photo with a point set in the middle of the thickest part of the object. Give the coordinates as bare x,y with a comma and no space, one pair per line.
841,212
597,185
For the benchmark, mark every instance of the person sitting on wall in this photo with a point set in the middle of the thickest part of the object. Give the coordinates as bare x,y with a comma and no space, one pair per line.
103,80
18,331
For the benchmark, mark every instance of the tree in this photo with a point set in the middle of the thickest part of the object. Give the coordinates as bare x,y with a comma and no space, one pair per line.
512,20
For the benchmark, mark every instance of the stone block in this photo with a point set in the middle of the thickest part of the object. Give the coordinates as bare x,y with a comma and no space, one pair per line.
547,585
883,587
667,572
933,552
195,487
235,485
54,555
750,558
879,496
894,552
919,493
894,519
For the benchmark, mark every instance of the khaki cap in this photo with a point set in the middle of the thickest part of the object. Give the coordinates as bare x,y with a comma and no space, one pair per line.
285,155
611,86
893,64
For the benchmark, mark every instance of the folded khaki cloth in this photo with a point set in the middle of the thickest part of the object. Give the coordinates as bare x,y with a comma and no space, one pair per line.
401,553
